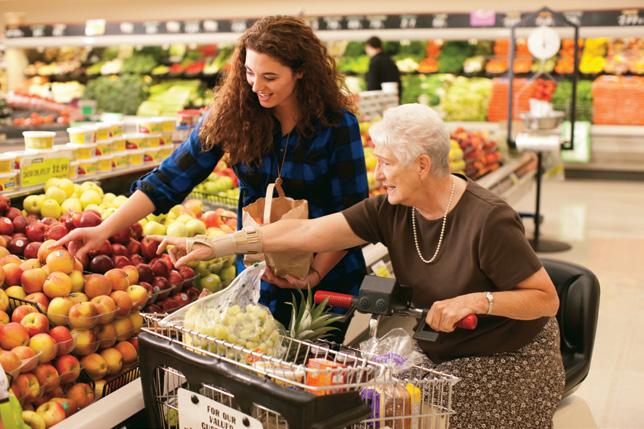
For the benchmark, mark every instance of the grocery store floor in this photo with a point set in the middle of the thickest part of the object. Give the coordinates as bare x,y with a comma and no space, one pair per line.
604,223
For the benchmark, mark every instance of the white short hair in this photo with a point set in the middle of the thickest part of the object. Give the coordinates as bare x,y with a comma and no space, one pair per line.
410,130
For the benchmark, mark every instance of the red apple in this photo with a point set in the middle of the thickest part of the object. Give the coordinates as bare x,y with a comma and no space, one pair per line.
26,387
49,221
133,247
137,259
12,274
121,261
119,249
63,338
33,280
69,405
31,250
145,273
211,219
96,285
5,204
104,249
20,224
118,278
82,394
83,315
101,264
47,377
137,230
28,357
36,231
40,299
56,231
17,245
90,218
68,367
162,282
94,365
21,311
175,278
57,285
12,335
193,293
159,268
35,323
52,413
73,247
123,302
186,272
9,361
182,298
13,213
121,237
149,248
154,308
44,344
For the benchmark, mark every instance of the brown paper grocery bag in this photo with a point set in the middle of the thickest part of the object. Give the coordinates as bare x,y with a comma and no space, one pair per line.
269,209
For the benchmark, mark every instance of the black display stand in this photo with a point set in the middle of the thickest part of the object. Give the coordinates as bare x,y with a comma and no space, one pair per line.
557,19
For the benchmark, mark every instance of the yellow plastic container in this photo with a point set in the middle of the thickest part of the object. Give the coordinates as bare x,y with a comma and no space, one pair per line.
18,155
165,152
104,147
149,125
120,160
116,129
104,163
118,144
135,141
103,132
39,139
73,169
82,135
135,157
82,151
166,138
7,161
87,167
9,181
154,140
168,124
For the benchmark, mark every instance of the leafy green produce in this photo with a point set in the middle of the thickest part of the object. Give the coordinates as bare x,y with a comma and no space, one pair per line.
121,94
563,94
453,55
425,89
467,99
170,96
358,65
139,63
391,48
413,49
354,49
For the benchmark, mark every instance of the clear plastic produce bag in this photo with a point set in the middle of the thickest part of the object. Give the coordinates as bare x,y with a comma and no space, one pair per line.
233,316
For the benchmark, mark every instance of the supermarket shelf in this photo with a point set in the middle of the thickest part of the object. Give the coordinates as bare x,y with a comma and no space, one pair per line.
96,177
327,35
109,411
488,181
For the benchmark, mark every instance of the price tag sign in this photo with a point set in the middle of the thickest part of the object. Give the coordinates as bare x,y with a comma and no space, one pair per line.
36,171
200,412
95,27
482,18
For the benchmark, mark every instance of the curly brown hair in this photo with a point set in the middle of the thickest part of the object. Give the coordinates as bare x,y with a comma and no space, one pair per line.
239,124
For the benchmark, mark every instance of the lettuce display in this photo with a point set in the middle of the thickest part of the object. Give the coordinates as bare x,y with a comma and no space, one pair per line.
563,94
467,99
121,94
425,89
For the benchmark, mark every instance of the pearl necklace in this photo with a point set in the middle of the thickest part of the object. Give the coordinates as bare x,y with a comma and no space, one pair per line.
442,234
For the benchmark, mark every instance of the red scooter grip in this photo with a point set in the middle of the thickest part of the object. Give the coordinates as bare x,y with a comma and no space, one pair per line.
468,322
339,300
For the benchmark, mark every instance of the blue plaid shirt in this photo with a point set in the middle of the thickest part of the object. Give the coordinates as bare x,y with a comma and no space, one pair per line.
327,170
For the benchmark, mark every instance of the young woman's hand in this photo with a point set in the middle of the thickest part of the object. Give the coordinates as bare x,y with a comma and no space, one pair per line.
310,281
83,240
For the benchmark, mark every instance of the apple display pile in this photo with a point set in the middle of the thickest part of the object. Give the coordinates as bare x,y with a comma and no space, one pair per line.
480,153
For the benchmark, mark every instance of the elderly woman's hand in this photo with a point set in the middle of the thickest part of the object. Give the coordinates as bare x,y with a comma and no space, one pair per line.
178,255
443,315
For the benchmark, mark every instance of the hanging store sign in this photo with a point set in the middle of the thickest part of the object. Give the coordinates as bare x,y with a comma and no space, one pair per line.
478,19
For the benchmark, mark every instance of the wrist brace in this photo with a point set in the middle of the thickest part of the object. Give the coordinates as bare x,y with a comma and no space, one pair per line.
247,240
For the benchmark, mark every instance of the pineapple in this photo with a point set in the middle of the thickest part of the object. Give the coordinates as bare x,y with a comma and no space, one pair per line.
310,321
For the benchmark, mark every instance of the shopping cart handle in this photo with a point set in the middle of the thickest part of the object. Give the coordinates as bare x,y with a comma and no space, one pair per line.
468,322
338,300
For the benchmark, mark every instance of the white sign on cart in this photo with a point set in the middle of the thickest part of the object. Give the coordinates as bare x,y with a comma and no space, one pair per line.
200,412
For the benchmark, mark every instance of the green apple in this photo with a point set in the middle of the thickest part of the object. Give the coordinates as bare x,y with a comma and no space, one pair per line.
184,218
195,227
72,204
225,182
55,193
213,231
153,228
177,229
212,282
67,186
215,265
177,210
228,274
203,268
119,201
109,198
229,261
108,212
51,182
90,196
50,208
32,204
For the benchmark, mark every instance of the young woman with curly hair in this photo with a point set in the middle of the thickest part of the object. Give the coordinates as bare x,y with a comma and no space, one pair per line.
282,110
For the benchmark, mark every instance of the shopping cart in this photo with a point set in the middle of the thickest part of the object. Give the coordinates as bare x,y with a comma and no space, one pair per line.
252,390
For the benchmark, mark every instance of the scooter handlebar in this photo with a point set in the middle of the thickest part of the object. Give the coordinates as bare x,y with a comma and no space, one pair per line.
339,300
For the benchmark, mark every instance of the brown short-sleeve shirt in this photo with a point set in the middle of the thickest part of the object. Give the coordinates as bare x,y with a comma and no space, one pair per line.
484,249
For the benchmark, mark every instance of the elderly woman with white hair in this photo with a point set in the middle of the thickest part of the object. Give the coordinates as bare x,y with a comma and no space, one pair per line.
462,250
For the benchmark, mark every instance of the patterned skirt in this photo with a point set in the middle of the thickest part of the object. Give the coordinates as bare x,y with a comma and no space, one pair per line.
509,390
